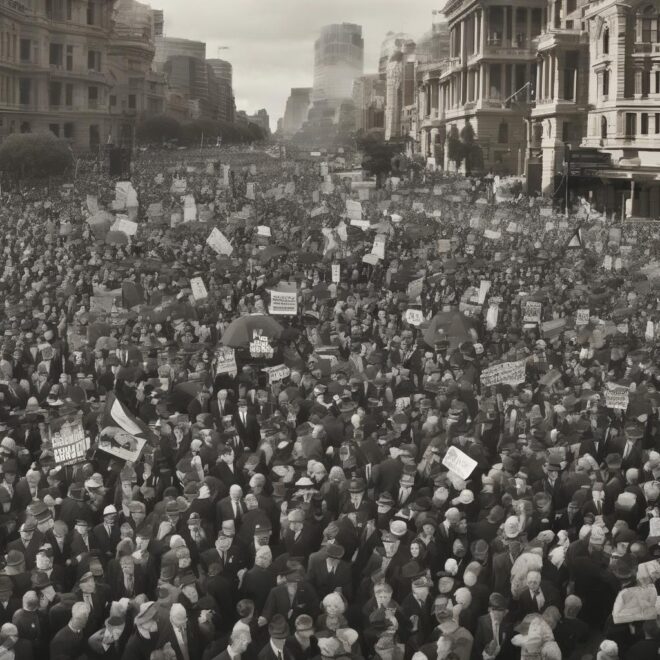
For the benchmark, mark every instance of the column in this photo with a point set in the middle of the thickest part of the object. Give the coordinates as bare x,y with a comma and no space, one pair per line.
538,79
484,29
476,32
638,82
505,25
553,62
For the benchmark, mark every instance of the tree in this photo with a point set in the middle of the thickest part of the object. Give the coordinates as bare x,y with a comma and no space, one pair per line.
158,129
35,155
378,156
454,147
470,151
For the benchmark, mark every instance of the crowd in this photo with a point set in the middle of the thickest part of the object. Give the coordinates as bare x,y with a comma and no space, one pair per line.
448,450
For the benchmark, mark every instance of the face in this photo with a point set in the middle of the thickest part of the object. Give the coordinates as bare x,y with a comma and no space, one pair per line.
383,598
533,580
415,550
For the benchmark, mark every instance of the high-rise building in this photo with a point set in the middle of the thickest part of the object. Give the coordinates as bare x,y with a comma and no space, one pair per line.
297,108
338,61
397,66
369,100
223,71
54,70
167,47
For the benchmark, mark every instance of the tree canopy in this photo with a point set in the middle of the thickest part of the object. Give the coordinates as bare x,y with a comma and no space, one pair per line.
35,155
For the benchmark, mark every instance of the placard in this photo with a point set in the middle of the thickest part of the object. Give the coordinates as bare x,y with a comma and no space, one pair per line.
283,303
354,210
509,373
484,288
67,437
225,174
260,346
118,442
402,402
459,462
249,191
378,247
607,262
275,374
336,273
649,333
123,224
545,212
198,288
444,245
263,230
218,242
362,224
491,317
225,361
189,209
532,312
617,399
553,328
492,235
582,317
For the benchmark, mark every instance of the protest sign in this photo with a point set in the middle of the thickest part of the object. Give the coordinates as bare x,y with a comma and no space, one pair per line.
545,212
218,242
263,230
336,273
649,333
484,288
444,245
249,191
260,346
121,444
225,361
509,373
607,262
198,288
283,303
617,399
275,374
635,604
414,316
492,235
362,224
378,247
67,436
532,313
459,462
415,288
491,317
189,208
123,224
353,209
582,317
649,571
402,402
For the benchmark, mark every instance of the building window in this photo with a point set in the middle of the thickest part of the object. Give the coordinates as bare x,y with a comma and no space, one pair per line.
24,91
657,82
603,128
646,83
91,12
54,129
56,55
606,83
68,131
113,100
631,124
132,101
657,123
606,41
26,127
68,95
94,137
94,60
26,50
649,25
55,94
55,10
503,133
93,97
644,124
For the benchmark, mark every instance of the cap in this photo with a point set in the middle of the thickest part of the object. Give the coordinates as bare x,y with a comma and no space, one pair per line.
109,510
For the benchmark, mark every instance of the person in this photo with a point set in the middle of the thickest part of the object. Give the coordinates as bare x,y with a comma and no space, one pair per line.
144,637
70,642
238,644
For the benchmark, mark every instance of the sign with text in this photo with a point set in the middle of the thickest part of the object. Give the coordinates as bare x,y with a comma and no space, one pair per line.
617,399
225,361
532,312
459,462
414,316
582,317
336,273
378,247
260,347
283,303
198,288
275,374
509,373
218,242
67,437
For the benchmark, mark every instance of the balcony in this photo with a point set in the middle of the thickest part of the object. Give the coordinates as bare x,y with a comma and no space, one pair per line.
509,48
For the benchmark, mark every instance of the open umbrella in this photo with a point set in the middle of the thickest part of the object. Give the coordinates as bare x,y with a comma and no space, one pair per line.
448,325
107,343
241,331
116,238
271,252
184,393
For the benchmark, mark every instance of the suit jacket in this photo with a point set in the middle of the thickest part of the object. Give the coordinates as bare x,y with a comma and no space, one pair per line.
300,547
305,601
484,635
257,584
222,471
29,551
224,510
192,634
528,605
106,543
250,432
324,582
228,408
139,648
67,644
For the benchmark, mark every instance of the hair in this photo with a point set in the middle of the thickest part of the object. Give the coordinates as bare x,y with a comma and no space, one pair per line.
80,609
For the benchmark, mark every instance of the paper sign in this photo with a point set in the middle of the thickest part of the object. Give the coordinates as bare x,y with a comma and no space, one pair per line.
545,212
260,347
283,303
532,312
275,374
607,262
415,288
67,437
617,399
253,169
263,230
512,227
484,288
459,462
225,361
414,316
649,334
493,235
491,317
549,226
249,192
189,209
354,209
582,317
378,247
336,273
198,288
362,224
509,373
218,242
402,402
120,443
444,245
125,225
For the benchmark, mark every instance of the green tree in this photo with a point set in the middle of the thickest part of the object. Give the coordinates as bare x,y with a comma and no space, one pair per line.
35,155
158,129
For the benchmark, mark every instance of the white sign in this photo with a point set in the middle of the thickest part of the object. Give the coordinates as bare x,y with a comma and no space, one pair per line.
484,288
532,312
444,245
582,317
219,242
459,462
283,303
125,225
225,174
336,273
493,235
275,374
263,230
414,316
189,208
379,246
362,224
354,210
198,288
545,212
491,317
249,192
225,361
617,399
509,373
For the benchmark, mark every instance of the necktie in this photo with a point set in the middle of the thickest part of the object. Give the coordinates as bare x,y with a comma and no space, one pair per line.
627,450
279,655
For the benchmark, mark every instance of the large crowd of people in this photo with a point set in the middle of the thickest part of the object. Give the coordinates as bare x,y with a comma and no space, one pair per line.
447,447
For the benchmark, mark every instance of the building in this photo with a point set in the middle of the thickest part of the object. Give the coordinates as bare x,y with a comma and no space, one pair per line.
54,69
624,101
338,61
137,90
486,80
223,72
260,118
398,66
297,107
369,101
167,47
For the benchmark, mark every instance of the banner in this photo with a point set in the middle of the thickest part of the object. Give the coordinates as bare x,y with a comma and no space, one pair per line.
283,303
219,242
198,288
414,316
67,437
509,373
582,317
617,399
225,361
459,462
532,312
336,273
275,374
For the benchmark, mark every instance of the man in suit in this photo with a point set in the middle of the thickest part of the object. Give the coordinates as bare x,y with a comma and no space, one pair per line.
278,631
492,638
238,644
571,633
181,634
106,534
231,508
259,580
229,558
222,406
247,425
631,450
296,596
95,599
29,543
70,642
537,597
226,469
300,536
332,574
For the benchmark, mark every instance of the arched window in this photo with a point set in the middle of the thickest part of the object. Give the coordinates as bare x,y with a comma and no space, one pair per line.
606,41
603,128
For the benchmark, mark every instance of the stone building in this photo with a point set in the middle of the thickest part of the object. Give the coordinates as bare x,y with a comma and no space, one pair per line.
369,101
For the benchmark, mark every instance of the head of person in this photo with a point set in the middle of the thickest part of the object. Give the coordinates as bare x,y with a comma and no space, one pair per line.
79,615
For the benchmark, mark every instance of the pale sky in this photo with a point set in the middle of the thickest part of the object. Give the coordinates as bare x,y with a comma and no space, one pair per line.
271,42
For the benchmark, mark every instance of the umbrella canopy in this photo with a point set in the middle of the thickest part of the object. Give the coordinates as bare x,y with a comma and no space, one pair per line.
116,238
241,331
448,325
108,343
271,252
184,393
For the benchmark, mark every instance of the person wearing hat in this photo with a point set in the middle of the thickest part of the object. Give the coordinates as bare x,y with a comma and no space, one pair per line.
71,641
239,642
492,638
96,600
110,641
300,535
247,426
293,597
9,603
29,542
106,534
332,575
631,449
144,637
278,632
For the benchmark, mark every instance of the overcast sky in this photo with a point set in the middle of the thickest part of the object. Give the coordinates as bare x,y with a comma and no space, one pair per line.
271,42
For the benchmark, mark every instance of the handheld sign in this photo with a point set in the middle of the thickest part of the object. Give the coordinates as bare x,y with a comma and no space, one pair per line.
459,462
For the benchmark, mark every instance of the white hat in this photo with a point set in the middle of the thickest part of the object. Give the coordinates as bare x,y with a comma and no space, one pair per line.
110,509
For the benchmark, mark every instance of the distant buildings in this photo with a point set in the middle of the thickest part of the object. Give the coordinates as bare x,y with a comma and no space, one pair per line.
260,118
369,101
297,108
224,75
